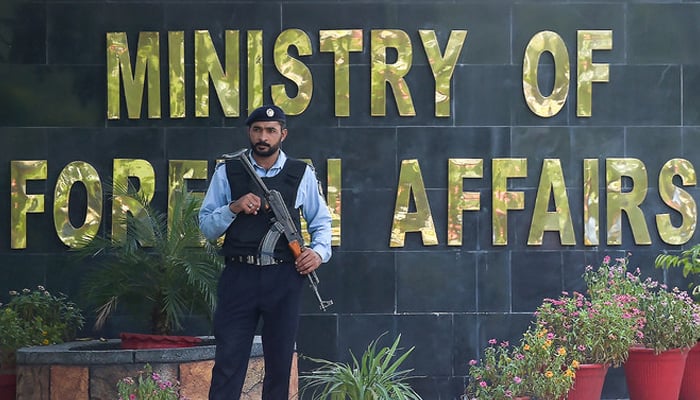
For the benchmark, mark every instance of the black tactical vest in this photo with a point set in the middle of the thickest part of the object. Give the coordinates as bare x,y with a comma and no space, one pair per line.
245,233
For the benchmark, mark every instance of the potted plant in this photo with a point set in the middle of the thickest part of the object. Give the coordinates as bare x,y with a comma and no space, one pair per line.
33,318
689,261
148,385
497,375
670,326
159,271
598,333
376,376
536,368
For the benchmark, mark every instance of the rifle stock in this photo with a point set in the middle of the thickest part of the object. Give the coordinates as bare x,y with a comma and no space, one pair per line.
295,247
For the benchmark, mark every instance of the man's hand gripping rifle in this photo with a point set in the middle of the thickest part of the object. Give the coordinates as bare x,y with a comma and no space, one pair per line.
282,223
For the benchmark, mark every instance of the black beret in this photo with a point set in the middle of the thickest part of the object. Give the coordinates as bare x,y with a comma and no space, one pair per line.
266,113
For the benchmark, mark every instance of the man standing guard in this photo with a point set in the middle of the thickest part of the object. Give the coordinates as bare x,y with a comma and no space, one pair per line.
249,290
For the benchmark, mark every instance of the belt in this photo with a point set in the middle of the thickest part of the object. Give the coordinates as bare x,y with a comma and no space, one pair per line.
255,260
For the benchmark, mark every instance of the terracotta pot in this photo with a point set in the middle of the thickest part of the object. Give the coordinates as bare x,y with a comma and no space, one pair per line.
589,381
690,387
8,386
652,376
144,341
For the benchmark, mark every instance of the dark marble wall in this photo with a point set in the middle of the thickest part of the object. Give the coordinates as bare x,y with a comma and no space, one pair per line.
447,301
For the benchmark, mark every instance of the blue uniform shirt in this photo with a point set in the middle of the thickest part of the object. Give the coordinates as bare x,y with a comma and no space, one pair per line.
215,216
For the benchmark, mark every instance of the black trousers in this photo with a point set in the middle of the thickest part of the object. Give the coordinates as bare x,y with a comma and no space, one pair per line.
247,293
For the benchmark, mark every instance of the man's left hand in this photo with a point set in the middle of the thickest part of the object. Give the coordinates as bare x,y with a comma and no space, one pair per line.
307,261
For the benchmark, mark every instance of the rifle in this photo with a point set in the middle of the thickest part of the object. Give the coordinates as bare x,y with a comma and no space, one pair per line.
282,223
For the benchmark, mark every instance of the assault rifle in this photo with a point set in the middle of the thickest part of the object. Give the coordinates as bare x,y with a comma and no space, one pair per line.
282,224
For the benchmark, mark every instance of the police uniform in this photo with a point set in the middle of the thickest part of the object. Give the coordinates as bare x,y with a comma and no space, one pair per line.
249,291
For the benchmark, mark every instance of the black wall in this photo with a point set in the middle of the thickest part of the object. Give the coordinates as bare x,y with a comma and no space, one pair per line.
445,300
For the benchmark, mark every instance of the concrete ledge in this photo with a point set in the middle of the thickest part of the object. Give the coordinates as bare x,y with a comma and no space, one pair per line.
108,352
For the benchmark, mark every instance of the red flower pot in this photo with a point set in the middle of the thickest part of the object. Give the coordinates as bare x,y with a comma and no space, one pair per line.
690,387
652,376
8,386
589,381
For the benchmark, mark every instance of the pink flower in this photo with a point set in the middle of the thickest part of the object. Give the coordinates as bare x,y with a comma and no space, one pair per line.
483,384
472,362
493,341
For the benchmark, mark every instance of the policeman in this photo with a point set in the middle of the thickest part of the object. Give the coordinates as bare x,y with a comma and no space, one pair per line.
249,291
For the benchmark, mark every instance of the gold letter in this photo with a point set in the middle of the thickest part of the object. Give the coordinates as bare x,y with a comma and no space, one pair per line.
333,199
503,200
21,202
554,44
124,169
255,70
383,73
411,182
176,66
591,203
629,202
442,67
206,64
335,188
588,71
341,42
294,70
551,183
77,171
458,201
679,200
180,171
147,56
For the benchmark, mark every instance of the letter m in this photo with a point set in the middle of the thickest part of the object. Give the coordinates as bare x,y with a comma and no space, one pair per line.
119,66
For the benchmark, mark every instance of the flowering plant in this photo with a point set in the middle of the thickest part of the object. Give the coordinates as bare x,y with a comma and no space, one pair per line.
669,319
672,318
148,385
538,367
36,317
614,278
548,374
598,331
497,376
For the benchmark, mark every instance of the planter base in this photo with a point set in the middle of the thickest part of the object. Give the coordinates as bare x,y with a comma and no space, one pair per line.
652,376
690,388
135,341
589,381
90,370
